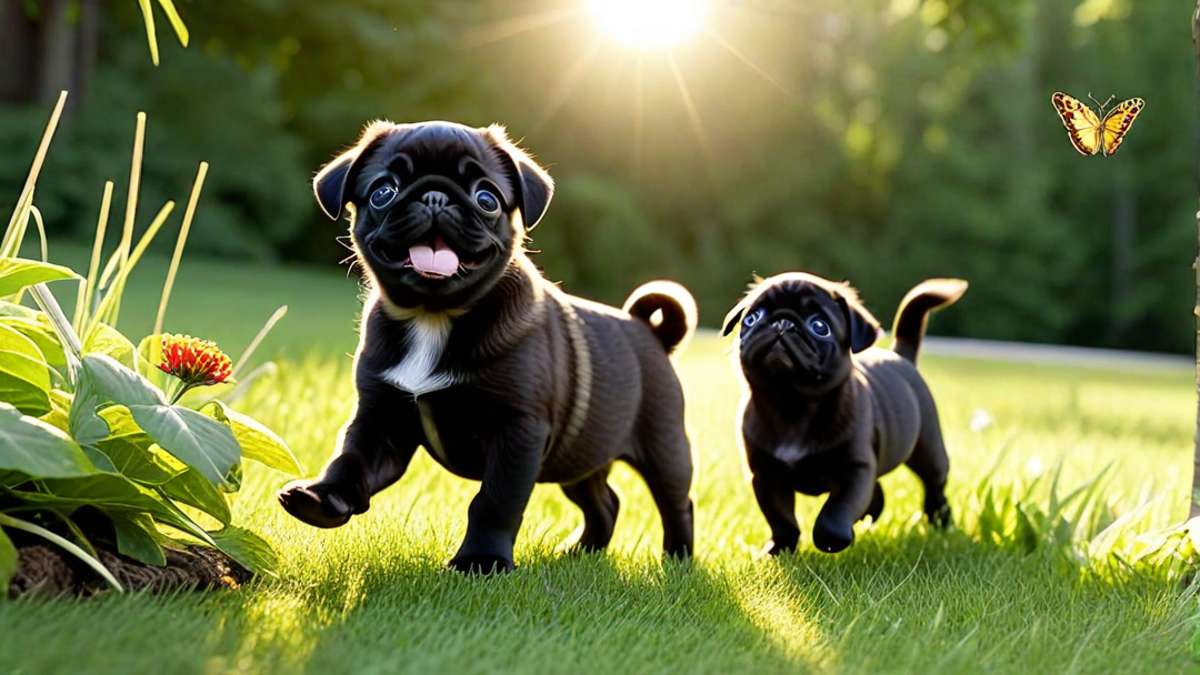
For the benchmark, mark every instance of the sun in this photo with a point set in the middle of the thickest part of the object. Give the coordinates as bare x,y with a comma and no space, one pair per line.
650,24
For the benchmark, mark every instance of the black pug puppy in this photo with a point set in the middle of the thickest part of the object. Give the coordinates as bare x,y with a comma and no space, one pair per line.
828,413
468,351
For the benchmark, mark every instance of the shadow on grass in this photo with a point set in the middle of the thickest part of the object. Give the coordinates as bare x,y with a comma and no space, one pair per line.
895,602
575,613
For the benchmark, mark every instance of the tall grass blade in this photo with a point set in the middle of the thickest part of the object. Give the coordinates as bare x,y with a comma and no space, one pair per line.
37,218
11,243
41,226
262,333
110,305
135,172
181,30
49,304
148,17
9,521
197,185
87,288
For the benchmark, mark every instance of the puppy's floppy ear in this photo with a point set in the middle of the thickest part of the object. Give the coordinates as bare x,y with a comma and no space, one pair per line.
734,317
330,184
864,327
534,187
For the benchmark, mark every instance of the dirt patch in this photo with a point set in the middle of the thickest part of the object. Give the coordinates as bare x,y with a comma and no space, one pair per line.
45,569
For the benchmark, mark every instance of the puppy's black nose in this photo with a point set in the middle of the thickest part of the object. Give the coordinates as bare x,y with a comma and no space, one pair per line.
435,199
784,325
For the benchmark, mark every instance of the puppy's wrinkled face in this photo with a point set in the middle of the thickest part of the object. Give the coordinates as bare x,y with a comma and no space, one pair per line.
797,333
439,209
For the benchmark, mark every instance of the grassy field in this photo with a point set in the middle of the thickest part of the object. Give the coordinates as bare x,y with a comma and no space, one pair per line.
372,597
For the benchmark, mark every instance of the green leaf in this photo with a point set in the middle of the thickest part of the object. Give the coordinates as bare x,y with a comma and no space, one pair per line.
98,459
117,383
37,449
110,493
24,373
8,563
13,309
106,340
86,426
42,335
194,439
149,356
17,273
133,453
136,538
258,442
193,489
248,549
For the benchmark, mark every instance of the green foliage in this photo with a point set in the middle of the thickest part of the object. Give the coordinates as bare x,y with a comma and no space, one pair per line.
81,428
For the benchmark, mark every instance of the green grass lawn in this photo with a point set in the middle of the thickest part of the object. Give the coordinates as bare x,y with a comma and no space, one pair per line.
372,597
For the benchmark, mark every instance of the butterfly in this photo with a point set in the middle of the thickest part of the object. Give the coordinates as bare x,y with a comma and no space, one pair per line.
1090,133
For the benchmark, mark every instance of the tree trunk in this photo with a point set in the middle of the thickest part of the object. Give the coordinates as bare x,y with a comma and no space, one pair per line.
18,40
56,58
1195,500
89,43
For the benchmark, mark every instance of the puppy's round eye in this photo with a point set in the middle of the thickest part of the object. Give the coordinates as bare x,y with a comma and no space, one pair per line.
383,195
487,201
753,318
818,327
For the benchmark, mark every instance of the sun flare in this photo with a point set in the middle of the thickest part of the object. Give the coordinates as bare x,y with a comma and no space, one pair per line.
650,24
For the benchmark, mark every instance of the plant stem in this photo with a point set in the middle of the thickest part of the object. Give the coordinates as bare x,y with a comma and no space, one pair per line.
65,545
182,390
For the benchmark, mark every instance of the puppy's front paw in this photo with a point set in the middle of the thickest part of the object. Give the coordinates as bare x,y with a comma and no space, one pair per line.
831,536
481,563
776,547
941,517
322,504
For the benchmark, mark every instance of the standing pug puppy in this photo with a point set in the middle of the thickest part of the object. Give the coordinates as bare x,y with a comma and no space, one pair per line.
829,413
468,351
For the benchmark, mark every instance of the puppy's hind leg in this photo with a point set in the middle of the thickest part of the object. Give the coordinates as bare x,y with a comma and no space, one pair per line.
931,465
664,459
599,503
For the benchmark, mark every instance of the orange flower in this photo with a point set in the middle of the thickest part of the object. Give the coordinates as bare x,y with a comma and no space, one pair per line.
197,362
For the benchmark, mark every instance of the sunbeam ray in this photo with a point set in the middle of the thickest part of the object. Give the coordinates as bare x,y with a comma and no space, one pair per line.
638,115
737,53
693,113
506,28
562,89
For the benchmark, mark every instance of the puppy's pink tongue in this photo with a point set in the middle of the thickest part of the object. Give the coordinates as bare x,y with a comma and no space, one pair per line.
439,259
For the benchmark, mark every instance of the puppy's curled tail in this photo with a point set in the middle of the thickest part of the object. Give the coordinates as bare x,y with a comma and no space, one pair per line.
914,312
668,308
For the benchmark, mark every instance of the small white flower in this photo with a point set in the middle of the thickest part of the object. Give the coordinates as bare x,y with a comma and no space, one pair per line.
980,420
1034,467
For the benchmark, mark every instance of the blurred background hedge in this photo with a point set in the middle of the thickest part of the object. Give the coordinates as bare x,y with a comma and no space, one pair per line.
876,141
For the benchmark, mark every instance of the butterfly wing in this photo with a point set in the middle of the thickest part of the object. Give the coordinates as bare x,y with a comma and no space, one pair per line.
1083,127
1117,122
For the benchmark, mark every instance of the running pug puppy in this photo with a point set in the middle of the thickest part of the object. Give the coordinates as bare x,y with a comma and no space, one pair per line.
468,351
827,412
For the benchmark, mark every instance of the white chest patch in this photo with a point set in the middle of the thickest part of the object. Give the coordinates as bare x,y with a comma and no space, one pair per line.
789,453
417,373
